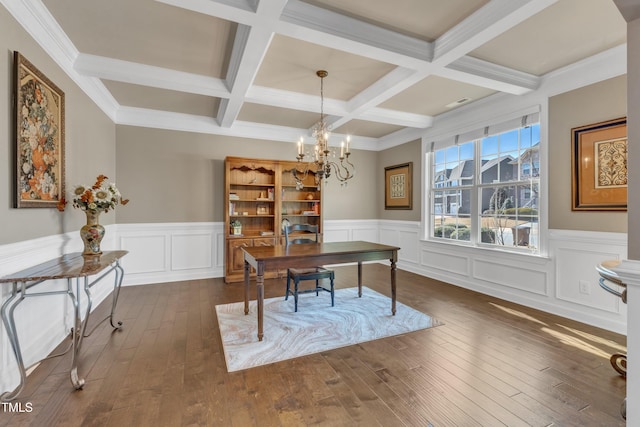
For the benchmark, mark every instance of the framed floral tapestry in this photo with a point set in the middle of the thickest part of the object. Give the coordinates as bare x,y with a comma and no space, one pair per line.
599,166
39,133
397,186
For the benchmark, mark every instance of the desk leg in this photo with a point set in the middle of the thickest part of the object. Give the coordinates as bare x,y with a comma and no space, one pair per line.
247,270
10,326
393,287
76,334
260,292
359,279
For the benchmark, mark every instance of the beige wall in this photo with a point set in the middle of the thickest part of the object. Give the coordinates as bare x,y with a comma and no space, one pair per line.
172,176
90,142
591,104
409,152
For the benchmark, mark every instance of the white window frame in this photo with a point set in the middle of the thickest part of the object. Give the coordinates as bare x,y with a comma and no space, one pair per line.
529,115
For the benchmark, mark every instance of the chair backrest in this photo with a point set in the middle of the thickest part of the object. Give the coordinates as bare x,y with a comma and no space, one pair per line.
306,238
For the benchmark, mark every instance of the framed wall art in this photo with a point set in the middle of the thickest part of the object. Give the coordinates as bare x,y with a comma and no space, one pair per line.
397,186
39,134
599,166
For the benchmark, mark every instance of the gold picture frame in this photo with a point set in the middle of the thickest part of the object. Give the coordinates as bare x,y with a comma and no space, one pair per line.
39,137
599,166
398,193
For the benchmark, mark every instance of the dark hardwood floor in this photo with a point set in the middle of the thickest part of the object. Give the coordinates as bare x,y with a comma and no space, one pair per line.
492,363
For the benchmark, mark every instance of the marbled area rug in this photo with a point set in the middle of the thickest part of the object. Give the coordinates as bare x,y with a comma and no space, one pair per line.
314,328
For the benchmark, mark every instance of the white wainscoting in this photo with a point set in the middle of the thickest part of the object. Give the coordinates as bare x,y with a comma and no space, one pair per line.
347,230
188,251
551,284
171,252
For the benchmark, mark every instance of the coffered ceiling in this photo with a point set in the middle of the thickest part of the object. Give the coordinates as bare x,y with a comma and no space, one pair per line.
247,67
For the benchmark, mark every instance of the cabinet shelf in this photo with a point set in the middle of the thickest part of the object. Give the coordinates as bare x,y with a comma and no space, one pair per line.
239,184
265,190
315,187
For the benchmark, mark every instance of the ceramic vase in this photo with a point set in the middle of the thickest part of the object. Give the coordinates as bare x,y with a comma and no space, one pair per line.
92,233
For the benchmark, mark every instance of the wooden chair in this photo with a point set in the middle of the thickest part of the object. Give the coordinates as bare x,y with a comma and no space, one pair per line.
298,274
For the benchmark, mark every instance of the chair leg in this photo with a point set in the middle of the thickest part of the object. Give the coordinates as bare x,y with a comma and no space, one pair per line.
317,286
295,294
286,296
332,297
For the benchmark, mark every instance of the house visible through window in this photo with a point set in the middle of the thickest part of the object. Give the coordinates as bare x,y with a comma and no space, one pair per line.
486,191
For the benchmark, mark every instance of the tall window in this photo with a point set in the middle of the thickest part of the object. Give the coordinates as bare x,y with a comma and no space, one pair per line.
486,191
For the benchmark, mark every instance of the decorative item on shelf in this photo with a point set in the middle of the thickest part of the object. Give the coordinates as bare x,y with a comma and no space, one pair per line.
310,196
101,197
236,228
343,171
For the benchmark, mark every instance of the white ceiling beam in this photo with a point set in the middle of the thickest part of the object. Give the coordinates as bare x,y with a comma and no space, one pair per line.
250,47
240,11
486,74
333,107
486,23
398,118
203,124
327,28
148,75
294,100
357,37
388,86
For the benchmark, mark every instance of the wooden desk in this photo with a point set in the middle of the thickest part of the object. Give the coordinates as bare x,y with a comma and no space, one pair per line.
70,266
264,258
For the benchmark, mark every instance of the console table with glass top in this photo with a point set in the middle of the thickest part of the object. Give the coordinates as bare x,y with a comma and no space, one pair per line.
76,269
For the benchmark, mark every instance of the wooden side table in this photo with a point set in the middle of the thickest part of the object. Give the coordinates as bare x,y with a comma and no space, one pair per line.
76,269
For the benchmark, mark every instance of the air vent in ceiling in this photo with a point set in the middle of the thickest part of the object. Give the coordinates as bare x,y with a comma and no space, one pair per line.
458,102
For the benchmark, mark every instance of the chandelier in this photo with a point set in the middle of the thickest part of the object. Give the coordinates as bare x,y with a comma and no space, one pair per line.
324,159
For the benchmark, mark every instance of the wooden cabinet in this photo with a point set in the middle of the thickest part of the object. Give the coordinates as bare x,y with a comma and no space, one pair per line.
301,203
259,196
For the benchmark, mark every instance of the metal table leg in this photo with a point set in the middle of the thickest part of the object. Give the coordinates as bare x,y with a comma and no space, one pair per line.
19,294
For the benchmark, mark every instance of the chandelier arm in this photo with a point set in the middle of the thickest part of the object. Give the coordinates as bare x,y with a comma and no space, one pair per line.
344,170
300,181
353,168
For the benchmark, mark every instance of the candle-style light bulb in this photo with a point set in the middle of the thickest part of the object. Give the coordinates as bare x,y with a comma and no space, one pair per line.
348,141
342,149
